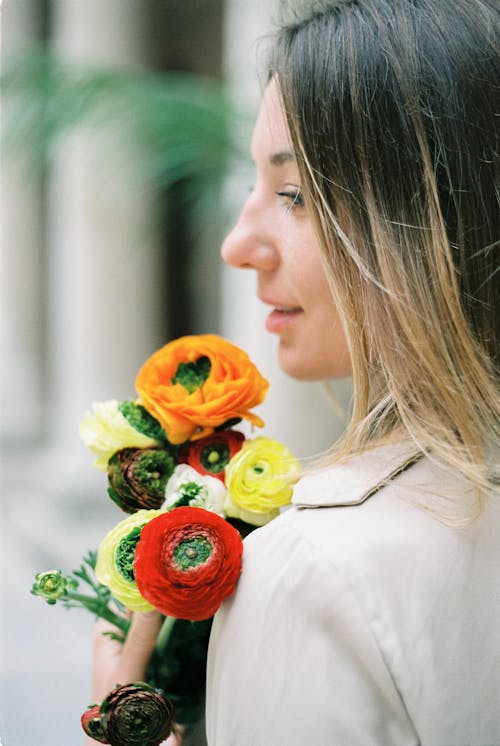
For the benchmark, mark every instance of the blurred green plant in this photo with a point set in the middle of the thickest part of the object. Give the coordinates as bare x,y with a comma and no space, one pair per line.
178,127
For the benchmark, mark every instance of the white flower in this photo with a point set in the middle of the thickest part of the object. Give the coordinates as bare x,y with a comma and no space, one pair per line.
105,430
186,486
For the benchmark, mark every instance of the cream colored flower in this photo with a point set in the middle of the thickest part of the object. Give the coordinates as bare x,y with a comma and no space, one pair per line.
187,486
260,477
105,430
114,566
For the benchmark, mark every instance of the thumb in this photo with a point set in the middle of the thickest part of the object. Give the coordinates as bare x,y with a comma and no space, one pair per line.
138,646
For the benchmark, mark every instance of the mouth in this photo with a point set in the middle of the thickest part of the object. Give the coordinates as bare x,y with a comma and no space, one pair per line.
281,317
287,309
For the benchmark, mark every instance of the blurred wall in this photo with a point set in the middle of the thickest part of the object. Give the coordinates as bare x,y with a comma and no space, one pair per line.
87,261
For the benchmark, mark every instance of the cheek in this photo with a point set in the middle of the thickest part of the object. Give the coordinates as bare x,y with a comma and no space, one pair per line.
322,350
335,358
316,349
332,351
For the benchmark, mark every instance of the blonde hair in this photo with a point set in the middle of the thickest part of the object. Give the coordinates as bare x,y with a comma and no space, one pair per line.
390,110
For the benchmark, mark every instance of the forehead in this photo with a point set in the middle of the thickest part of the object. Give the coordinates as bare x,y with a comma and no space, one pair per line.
271,135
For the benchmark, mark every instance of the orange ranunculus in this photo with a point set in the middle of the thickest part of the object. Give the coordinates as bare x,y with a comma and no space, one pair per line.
197,383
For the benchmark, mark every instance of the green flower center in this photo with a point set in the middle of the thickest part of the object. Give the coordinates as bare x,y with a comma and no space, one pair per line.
153,469
125,553
136,722
192,552
215,457
193,375
189,494
190,490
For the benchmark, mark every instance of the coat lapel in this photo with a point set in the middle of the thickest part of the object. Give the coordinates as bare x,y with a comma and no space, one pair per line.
353,481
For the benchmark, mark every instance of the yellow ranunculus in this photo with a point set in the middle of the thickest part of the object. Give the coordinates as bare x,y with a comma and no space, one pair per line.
261,475
252,517
106,570
105,430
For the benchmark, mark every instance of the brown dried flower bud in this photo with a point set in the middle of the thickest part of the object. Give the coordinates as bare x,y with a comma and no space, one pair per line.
136,715
137,477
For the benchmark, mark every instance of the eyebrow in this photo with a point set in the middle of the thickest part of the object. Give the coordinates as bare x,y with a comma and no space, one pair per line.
284,156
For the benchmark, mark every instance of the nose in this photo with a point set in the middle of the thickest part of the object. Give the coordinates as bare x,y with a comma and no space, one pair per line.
252,244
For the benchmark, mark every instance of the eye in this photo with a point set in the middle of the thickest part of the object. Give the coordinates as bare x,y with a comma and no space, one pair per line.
294,198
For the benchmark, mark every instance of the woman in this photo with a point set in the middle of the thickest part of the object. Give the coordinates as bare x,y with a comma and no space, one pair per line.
368,613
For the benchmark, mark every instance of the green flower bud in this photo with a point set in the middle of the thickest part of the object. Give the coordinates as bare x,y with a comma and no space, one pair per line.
50,585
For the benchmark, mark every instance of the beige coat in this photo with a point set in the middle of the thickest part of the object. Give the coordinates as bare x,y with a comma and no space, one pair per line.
361,620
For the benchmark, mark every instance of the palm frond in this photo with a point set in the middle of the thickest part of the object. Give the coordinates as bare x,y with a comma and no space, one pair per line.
181,125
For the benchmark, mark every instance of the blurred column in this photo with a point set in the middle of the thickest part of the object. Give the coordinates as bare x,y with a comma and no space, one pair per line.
297,413
21,226
105,290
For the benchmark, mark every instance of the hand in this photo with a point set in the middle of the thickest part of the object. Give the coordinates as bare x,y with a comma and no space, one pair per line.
116,663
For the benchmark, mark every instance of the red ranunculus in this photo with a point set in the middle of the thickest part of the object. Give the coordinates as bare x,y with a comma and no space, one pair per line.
92,724
212,454
187,562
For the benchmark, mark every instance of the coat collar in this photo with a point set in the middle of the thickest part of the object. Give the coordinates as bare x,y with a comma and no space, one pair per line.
354,481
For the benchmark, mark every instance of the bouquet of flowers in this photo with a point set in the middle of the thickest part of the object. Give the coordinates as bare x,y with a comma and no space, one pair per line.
192,486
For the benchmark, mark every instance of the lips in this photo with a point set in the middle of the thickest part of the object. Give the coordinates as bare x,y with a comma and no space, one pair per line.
279,304
281,318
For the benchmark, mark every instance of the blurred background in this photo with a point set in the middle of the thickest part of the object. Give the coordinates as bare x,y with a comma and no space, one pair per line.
125,130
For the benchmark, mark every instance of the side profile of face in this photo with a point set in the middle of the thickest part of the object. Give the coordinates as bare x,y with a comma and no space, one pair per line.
274,237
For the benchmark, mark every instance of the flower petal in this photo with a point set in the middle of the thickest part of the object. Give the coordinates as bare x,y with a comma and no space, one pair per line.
261,475
178,588
106,570
233,387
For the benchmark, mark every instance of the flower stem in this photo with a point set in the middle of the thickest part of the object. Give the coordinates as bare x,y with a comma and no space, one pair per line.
98,608
165,632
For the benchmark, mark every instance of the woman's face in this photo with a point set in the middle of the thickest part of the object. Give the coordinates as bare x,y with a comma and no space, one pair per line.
274,237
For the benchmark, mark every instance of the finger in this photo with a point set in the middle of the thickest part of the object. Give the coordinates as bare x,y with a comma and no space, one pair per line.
106,654
107,636
172,740
138,646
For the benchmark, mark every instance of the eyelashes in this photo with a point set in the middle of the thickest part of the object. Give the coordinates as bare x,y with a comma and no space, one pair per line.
294,197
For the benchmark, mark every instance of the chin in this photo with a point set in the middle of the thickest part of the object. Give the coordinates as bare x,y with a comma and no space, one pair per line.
301,369
304,367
